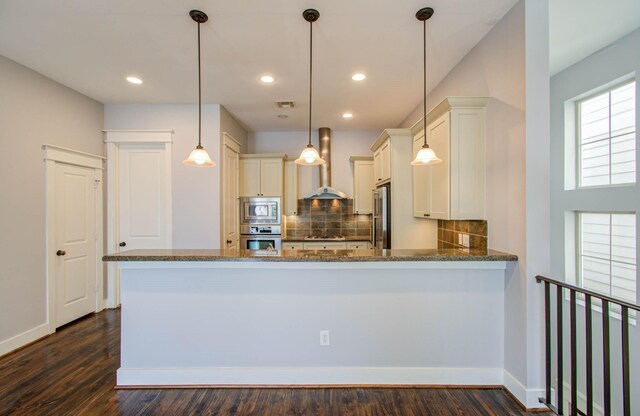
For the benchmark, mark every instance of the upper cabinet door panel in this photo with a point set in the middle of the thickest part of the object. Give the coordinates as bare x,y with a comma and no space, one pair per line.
271,177
249,177
438,139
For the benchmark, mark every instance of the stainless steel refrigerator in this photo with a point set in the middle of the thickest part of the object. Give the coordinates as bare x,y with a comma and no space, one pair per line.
381,224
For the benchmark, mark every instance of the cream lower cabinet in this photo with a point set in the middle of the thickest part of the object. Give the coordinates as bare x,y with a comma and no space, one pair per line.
358,245
325,246
262,174
455,188
363,184
293,246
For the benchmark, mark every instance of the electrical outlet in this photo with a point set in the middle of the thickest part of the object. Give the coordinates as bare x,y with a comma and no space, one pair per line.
324,338
465,240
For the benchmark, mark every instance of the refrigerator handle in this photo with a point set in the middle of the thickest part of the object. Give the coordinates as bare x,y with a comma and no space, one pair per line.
374,194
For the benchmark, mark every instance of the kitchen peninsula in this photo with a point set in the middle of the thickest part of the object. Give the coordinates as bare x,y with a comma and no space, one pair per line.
307,317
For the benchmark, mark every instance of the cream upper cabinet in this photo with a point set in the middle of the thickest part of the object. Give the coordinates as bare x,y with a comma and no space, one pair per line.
262,174
455,188
363,184
290,188
382,163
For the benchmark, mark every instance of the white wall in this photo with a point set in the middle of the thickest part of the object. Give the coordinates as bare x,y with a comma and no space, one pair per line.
196,191
617,60
228,124
503,66
34,110
343,145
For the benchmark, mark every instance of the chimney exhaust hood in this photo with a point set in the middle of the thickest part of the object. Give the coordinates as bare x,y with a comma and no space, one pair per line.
325,191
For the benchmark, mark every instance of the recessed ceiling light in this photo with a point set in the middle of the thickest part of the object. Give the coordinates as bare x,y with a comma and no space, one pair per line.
267,79
358,77
134,80
347,115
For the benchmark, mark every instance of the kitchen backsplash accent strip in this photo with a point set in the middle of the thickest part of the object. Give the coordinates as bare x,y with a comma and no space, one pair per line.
451,233
327,217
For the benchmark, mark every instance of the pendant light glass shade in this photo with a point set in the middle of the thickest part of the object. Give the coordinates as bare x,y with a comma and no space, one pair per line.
199,157
426,156
309,156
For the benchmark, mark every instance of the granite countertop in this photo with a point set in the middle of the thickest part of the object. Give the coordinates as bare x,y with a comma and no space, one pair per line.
311,255
320,240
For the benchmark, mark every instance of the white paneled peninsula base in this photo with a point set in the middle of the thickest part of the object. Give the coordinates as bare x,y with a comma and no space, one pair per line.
235,318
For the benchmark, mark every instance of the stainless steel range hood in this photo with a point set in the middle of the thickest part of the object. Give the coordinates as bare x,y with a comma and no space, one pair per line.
325,191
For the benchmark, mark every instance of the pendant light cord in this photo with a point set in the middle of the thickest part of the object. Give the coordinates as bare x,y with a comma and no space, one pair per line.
310,75
199,94
424,80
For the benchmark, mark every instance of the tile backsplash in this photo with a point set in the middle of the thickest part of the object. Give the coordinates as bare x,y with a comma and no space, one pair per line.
327,217
454,234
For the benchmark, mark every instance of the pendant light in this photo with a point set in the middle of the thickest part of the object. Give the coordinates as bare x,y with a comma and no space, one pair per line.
199,157
309,155
426,155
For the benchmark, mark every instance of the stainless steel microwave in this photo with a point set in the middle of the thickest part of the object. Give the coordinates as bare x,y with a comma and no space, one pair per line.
260,210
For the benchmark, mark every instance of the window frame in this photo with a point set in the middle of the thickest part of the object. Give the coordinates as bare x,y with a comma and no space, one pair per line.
578,133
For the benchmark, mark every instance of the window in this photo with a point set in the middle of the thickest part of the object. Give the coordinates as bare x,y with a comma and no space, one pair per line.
607,137
607,254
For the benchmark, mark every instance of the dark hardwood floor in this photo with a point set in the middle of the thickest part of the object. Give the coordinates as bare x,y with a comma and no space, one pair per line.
72,372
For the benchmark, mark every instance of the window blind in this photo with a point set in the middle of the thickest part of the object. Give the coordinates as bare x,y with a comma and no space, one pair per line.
607,137
608,254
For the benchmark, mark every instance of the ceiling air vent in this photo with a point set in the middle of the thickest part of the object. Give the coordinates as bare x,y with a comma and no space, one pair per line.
285,104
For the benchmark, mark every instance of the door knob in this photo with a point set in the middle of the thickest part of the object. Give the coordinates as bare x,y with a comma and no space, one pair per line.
60,253
122,244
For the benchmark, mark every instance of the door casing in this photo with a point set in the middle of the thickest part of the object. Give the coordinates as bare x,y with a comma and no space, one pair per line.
54,155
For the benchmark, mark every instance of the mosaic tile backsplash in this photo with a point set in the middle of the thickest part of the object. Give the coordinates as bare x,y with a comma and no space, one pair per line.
327,217
451,232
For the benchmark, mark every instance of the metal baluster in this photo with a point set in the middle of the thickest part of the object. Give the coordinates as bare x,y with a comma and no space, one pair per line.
589,352
547,338
626,394
606,358
559,341
574,356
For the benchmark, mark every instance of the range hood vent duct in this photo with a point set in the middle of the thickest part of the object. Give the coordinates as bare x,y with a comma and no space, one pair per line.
325,191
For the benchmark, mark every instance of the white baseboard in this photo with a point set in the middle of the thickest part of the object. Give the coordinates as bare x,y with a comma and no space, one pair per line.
529,398
25,338
309,376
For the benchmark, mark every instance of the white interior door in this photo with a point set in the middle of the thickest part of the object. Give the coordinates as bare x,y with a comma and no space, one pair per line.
230,194
75,245
144,196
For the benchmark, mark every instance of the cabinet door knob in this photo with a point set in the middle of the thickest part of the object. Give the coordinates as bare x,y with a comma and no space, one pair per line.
427,215
229,241
379,179
122,244
60,253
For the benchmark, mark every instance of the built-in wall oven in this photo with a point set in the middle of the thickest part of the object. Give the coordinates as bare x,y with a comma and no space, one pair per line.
260,237
260,223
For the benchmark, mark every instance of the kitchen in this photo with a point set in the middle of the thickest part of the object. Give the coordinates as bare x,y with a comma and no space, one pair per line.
517,166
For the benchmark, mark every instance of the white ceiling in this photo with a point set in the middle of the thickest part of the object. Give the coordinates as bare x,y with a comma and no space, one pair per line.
92,45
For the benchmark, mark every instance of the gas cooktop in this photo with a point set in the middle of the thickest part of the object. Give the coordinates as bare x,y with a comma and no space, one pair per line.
325,237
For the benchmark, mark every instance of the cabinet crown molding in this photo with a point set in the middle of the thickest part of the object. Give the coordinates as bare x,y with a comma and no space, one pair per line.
446,105
357,158
387,133
263,155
